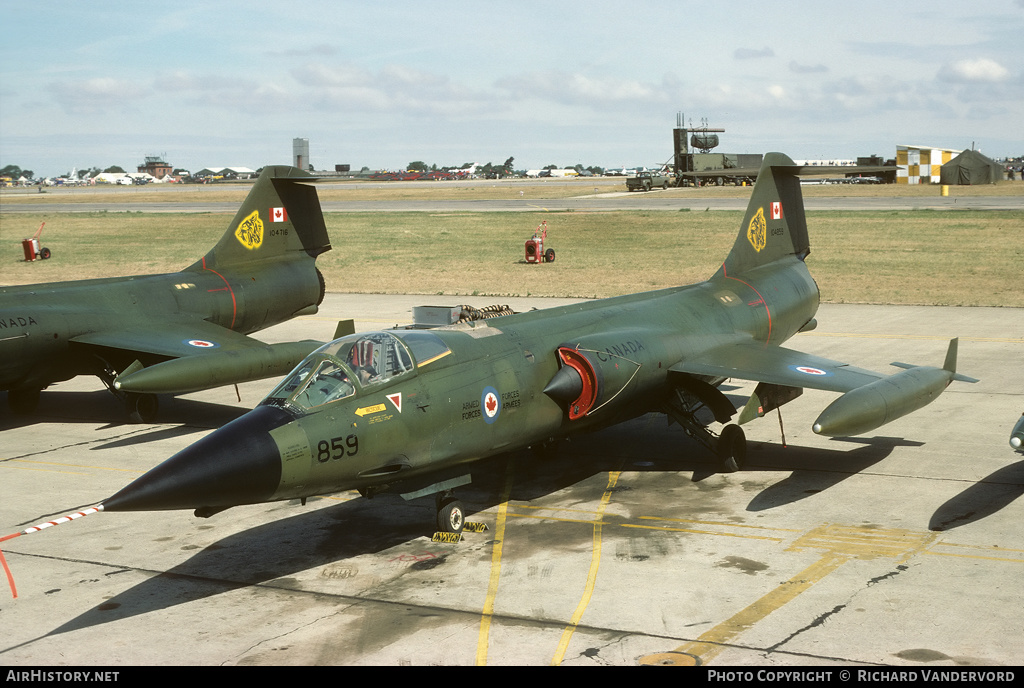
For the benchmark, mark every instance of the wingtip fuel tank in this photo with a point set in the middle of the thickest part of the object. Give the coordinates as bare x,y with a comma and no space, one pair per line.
1017,435
868,407
190,374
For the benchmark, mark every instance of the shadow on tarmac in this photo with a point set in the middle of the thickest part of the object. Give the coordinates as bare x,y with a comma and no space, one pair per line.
982,499
102,407
273,553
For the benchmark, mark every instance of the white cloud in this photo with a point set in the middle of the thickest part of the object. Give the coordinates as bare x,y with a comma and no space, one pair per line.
579,89
798,68
978,70
221,91
752,54
319,75
96,96
394,89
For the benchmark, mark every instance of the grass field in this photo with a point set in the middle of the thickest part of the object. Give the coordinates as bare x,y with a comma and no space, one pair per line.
968,258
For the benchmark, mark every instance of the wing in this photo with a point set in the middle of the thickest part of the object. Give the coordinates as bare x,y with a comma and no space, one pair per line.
777,365
186,355
869,399
173,338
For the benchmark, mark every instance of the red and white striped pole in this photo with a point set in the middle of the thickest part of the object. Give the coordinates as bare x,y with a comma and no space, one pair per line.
36,529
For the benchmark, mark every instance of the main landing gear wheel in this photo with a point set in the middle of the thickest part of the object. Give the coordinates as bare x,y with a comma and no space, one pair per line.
451,517
732,448
142,408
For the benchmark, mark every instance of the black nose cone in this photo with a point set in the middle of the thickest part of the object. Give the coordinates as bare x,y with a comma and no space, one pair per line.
237,464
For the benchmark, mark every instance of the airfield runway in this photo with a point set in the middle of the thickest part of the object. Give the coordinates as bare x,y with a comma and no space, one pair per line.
904,547
609,195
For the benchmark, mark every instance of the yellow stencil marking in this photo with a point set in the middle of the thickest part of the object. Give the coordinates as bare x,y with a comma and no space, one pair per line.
376,408
250,231
756,234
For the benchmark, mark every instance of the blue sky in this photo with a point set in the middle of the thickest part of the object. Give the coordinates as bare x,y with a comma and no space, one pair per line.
556,82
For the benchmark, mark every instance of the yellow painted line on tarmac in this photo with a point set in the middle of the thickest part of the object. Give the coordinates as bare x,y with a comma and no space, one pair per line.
599,516
984,548
46,470
492,584
976,556
720,523
552,518
595,562
840,544
686,526
704,532
556,508
710,644
984,552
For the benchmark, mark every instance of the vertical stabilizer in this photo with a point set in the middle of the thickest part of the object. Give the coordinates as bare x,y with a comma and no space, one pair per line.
774,225
281,216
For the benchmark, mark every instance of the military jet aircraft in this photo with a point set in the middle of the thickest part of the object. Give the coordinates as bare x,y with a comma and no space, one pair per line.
178,332
410,411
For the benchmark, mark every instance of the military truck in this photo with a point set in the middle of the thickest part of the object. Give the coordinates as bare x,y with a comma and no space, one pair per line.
714,168
645,181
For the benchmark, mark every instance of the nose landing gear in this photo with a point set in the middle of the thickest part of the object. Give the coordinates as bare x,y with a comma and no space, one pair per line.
451,516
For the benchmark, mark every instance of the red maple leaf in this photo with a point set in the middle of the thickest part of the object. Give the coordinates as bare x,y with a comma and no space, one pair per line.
491,403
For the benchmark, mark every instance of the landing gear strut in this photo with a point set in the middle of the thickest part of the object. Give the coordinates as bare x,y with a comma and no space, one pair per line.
731,445
141,408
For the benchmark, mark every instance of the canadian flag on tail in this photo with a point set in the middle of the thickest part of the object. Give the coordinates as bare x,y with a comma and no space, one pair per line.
278,215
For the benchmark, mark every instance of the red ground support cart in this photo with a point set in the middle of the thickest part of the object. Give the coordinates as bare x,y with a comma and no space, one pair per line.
535,252
32,249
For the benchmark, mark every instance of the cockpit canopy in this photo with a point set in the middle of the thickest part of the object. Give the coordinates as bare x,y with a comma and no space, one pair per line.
355,365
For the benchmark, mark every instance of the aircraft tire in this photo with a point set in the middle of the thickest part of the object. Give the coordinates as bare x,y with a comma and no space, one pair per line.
23,401
142,408
732,448
323,286
451,517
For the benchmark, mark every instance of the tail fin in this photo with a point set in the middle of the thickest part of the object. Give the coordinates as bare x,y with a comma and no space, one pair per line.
280,216
774,225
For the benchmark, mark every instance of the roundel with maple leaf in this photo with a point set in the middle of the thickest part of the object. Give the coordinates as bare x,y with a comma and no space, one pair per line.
490,404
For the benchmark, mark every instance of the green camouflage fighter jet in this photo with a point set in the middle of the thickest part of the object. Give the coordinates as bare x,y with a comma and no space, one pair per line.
410,411
179,332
